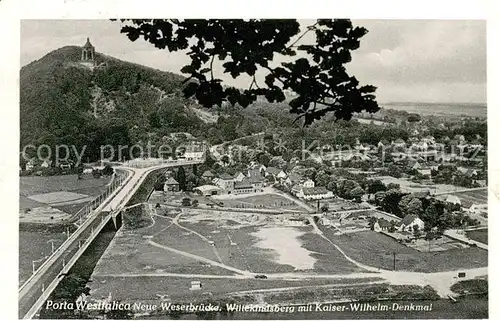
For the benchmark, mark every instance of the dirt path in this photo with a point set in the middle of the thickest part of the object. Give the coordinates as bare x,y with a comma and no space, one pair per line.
201,258
304,287
175,221
304,205
440,281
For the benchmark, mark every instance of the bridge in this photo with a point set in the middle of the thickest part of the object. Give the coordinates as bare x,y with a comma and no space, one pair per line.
36,290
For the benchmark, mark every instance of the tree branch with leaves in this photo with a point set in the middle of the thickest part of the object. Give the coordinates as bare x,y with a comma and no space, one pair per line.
315,72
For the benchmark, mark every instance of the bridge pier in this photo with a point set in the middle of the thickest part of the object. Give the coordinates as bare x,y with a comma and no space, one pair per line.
117,220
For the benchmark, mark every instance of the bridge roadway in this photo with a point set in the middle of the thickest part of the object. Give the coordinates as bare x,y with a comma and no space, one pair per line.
36,290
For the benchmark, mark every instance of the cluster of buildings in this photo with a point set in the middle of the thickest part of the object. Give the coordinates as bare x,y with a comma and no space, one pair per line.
193,152
240,183
258,176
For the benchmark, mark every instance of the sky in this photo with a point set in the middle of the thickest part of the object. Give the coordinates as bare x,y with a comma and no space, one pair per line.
439,61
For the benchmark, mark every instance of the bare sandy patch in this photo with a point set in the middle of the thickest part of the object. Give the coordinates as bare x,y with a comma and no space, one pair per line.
44,214
285,242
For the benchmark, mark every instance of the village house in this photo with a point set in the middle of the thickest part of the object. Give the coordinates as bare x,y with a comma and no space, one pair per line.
425,171
225,181
31,164
277,173
257,182
171,185
414,164
475,144
87,169
207,190
469,172
314,193
399,143
293,179
383,143
207,175
243,187
409,222
296,220
238,177
254,173
46,164
257,166
309,183
381,225
453,199
477,209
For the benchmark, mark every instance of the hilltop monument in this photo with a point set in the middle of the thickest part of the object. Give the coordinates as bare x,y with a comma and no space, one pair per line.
88,55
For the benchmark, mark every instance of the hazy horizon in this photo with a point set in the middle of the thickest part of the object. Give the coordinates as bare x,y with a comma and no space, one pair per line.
407,60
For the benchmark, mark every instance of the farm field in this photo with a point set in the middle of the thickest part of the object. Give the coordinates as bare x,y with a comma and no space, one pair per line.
32,185
375,249
267,201
338,204
64,193
177,288
475,196
408,186
479,235
215,249
34,245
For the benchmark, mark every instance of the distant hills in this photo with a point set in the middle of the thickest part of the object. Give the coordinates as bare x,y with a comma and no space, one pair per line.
120,103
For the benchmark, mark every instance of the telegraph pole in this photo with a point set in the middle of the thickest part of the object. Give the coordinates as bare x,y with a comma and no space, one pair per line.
52,245
394,255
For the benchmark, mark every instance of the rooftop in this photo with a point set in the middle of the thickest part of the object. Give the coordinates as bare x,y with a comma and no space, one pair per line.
314,190
171,181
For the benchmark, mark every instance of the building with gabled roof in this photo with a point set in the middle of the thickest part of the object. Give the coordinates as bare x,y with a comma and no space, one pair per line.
453,199
171,185
314,193
208,175
243,187
408,223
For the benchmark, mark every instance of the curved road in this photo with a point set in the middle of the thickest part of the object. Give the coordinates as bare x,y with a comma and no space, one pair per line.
51,266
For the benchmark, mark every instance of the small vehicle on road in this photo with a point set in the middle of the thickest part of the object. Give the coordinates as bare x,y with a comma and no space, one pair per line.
261,276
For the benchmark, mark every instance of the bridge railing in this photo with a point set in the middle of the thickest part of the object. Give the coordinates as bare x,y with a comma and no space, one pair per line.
65,255
88,210
62,263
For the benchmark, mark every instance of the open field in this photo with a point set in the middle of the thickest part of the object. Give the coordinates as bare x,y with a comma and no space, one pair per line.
35,245
337,204
61,198
475,196
175,198
32,185
151,288
131,252
377,250
268,201
479,235
221,248
52,199
408,186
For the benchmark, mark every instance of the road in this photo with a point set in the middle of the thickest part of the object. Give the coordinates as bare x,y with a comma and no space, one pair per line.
455,234
41,284
214,150
440,281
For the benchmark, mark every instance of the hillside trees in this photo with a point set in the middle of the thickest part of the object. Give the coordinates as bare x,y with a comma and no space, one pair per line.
321,82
